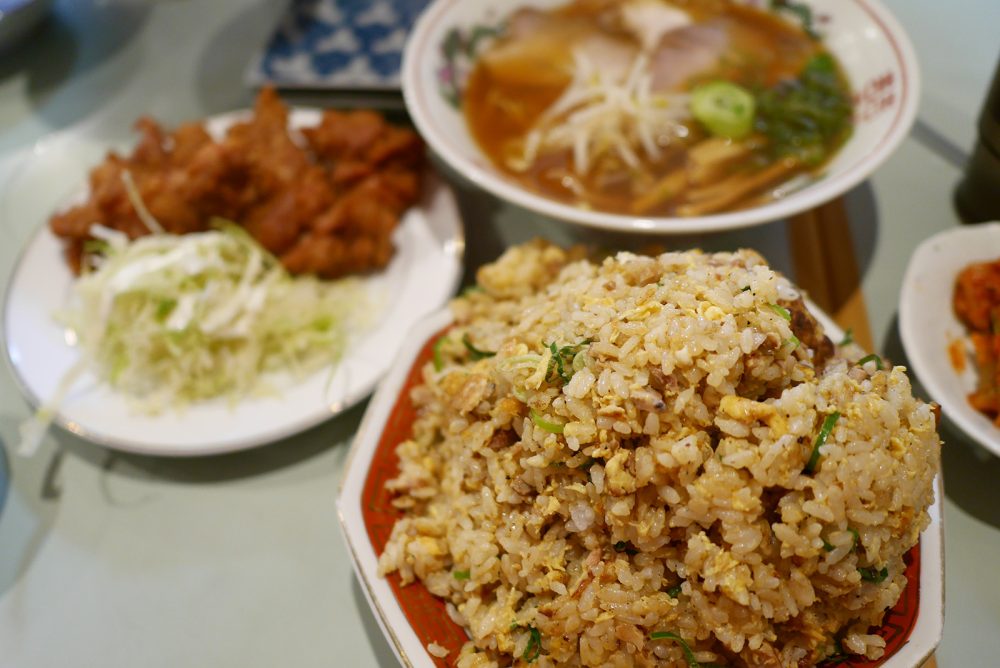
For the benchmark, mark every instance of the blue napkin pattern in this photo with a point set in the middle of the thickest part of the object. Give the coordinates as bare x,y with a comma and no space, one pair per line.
351,44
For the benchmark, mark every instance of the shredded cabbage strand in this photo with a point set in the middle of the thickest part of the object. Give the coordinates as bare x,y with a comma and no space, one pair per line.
169,320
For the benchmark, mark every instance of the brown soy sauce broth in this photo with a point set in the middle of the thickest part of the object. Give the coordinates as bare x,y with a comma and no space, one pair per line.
528,68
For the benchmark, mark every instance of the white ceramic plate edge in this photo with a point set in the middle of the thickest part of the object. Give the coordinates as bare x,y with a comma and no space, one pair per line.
391,618
923,640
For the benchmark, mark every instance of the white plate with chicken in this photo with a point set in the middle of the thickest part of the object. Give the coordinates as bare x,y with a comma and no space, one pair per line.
247,308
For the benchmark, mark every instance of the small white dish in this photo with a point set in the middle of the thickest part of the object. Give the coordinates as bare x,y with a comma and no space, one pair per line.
411,618
928,325
422,275
872,47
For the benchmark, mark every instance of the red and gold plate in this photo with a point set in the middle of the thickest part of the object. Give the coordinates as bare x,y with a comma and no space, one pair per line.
411,617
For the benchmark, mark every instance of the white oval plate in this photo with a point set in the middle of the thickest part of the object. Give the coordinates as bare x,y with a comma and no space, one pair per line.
870,44
407,645
423,274
928,325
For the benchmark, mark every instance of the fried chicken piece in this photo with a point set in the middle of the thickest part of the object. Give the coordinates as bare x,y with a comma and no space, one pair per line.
217,181
345,135
401,186
327,205
357,143
353,235
279,222
331,257
75,223
187,140
264,144
151,152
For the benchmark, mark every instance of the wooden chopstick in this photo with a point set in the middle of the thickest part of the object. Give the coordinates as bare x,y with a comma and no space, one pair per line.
826,267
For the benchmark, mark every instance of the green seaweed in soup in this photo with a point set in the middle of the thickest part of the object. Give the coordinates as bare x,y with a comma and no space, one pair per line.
657,107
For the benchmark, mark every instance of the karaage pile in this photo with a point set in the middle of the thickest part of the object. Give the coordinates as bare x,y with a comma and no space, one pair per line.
325,202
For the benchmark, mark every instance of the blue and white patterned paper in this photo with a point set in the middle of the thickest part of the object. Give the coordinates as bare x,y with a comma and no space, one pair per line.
345,44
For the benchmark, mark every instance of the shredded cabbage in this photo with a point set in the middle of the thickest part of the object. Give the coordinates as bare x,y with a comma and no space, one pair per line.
170,320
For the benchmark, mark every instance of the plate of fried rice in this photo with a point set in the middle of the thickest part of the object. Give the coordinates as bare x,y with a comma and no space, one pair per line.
649,461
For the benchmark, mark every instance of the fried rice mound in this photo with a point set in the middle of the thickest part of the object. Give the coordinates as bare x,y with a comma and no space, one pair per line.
657,461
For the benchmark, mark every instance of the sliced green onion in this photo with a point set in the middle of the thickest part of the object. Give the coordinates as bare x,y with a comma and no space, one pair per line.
534,647
794,341
724,108
848,337
824,432
675,591
857,537
461,575
688,654
530,360
555,363
781,311
438,357
827,547
871,358
874,575
474,352
562,364
545,425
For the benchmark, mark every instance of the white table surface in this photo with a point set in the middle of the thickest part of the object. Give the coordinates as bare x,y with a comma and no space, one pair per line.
120,561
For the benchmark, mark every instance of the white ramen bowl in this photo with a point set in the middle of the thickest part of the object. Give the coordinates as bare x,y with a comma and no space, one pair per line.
873,50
